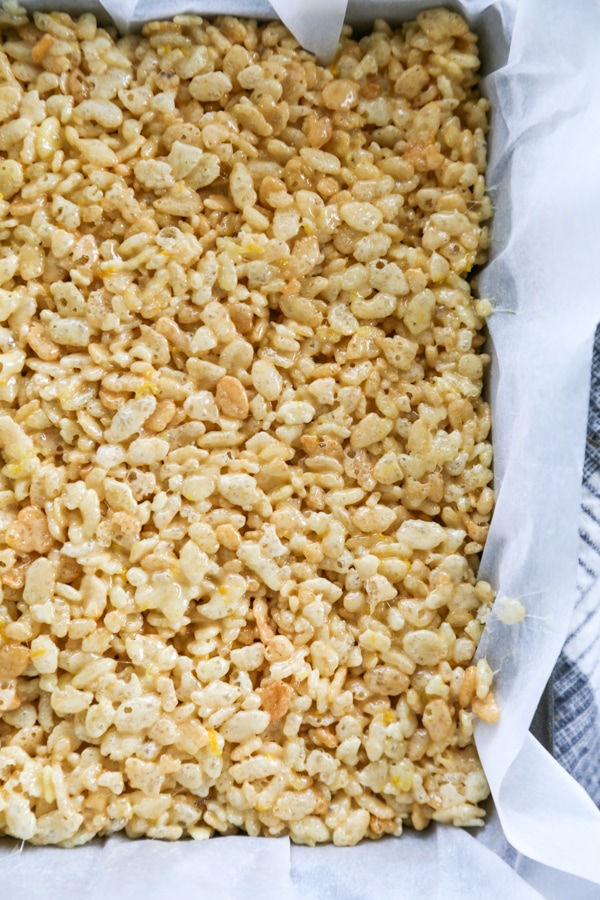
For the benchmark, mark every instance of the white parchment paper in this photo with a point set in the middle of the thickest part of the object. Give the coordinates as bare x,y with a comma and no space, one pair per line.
542,838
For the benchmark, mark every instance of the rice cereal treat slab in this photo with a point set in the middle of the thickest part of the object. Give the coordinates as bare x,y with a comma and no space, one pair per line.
244,456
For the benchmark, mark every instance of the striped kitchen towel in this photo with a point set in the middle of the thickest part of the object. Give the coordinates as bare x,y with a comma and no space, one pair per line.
576,677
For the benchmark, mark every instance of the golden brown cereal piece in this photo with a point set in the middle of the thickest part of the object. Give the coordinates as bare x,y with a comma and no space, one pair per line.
77,85
15,577
487,709
41,344
322,446
29,532
276,699
420,818
14,659
241,316
162,415
231,397
42,47
9,698
468,687
68,570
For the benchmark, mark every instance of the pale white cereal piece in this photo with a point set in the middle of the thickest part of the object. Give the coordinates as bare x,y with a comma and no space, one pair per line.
97,152
113,781
68,700
99,718
439,24
388,278
248,658
168,598
147,451
323,390
210,87
196,60
484,308
149,650
242,186
379,589
110,456
366,565
225,599
70,332
119,496
387,470
437,720
48,138
386,680
296,412
342,319
57,827
484,677
509,610
379,306
145,777
421,535
183,158
464,649
21,822
129,419
310,830
353,829
240,490
194,562
104,112
10,99
273,575
425,647
419,311
286,224
204,172
8,267
251,76
197,487
399,351
245,724
374,640
44,654
324,658
291,806
9,302
209,670
321,161
370,430
66,213
266,379
372,246
154,175
39,581
347,751
138,713
201,406
257,767
452,223
11,364
203,340
361,216
436,687
374,520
